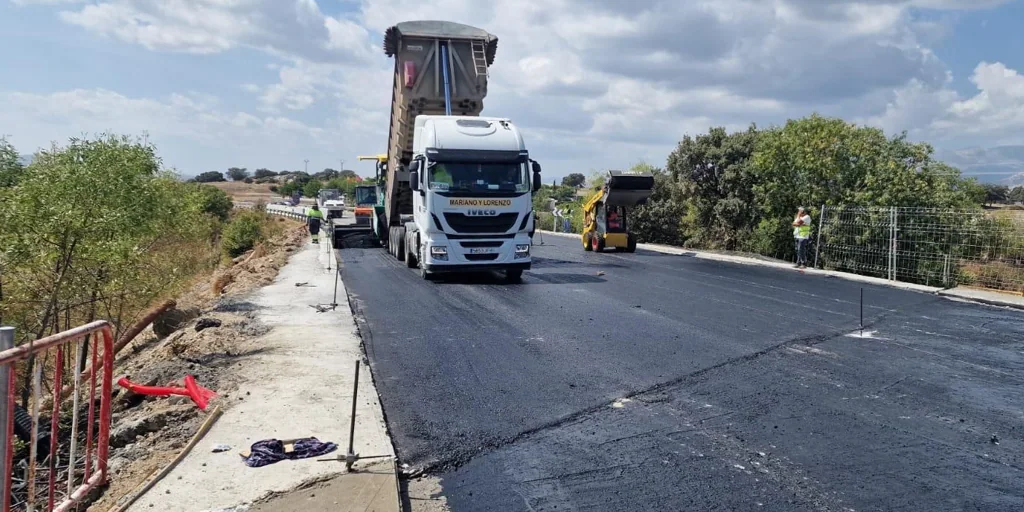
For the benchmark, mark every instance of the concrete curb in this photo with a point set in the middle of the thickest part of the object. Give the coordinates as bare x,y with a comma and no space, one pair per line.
743,260
955,294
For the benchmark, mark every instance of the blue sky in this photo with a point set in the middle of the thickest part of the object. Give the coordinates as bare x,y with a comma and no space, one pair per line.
594,84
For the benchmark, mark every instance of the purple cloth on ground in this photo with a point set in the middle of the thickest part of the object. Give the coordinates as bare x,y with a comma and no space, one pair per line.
270,451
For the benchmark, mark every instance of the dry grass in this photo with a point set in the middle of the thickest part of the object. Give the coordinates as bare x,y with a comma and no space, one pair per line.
247,192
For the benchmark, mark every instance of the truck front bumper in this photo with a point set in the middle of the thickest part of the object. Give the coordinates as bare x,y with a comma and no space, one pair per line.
441,254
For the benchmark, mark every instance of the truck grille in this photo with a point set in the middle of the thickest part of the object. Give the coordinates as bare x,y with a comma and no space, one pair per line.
463,223
473,245
481,257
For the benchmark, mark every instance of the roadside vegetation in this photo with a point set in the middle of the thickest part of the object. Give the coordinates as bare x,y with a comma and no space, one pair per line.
739,191
97,229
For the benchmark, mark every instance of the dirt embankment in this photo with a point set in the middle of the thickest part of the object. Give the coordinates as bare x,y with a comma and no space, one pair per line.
211,336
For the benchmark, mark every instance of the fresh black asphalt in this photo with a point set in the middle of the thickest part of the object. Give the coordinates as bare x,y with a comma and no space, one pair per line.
648,381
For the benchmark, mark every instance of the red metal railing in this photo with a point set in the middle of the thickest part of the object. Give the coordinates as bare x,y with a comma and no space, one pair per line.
83,475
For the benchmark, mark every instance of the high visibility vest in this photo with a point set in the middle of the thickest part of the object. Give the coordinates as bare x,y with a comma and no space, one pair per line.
440,175
315,213
803,231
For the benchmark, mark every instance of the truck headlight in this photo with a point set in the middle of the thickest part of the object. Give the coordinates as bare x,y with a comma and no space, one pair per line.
522,250
439,252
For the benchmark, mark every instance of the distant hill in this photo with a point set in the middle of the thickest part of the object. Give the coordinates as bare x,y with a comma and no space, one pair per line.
1000,165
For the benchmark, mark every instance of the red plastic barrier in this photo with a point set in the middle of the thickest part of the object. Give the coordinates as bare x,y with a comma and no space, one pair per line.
200,396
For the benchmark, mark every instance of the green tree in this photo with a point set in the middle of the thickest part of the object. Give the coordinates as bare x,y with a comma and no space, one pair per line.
210,200
715,185
263,173
326,174
659,220
825,161
237,173
575,180
995,194
10,165
348,174
95,228
311,187
1016,195
209,177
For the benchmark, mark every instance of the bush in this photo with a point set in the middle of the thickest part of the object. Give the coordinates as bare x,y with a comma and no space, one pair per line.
242,233
209,177
247,180
211,200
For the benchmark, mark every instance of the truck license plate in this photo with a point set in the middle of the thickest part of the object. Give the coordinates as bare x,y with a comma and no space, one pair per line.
482,250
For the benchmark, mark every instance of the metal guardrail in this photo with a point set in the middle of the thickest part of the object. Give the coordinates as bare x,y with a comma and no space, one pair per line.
292,212
60,457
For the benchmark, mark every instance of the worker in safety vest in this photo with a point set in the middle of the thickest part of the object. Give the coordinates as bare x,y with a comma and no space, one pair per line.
313,218
802,233
439,174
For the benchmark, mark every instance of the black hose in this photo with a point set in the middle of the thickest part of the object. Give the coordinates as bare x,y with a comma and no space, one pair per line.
23,429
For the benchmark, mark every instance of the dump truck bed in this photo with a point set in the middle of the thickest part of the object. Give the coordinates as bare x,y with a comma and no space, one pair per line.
418,88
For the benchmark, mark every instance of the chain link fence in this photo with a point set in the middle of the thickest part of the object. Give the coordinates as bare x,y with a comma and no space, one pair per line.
926,246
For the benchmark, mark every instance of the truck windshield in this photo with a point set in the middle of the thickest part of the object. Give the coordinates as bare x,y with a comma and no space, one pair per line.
366,195
329,194
478,177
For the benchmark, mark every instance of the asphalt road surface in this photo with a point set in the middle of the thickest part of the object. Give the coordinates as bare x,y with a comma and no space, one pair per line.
647,381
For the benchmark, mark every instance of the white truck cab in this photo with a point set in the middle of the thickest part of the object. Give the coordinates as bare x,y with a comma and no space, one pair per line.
331,202
473,183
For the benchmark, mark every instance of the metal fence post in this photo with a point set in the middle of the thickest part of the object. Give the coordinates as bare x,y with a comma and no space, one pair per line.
892,235
895,240
821,227
6,342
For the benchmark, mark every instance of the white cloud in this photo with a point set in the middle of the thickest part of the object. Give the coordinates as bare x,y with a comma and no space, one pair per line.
289,28
592,82
992,116
189,120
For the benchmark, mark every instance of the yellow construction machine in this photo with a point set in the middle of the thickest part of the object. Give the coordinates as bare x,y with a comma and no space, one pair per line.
606,213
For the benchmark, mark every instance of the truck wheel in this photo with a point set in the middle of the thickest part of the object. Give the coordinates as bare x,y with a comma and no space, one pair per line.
597,243
586,242
411,249
514,275
391,241
631,244
400,248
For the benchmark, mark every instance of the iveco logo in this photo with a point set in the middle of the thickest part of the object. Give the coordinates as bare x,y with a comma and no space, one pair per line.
482,213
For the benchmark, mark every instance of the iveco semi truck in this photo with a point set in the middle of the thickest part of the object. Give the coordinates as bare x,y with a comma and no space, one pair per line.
457,194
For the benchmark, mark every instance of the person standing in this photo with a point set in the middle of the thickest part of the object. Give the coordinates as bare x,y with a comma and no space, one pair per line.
313,218
802,233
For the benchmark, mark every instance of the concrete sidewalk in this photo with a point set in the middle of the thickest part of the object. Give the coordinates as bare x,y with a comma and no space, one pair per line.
300,387
990,297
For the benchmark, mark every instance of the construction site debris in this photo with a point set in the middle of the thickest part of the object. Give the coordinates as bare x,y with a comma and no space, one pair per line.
206,323
200,395
173,319
269,451
218,448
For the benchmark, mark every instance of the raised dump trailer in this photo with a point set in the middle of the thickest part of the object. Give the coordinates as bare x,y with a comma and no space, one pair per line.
422,51
607,213
458,187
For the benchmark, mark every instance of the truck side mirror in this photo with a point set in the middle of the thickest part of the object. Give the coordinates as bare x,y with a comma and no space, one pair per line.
536,175
414,175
